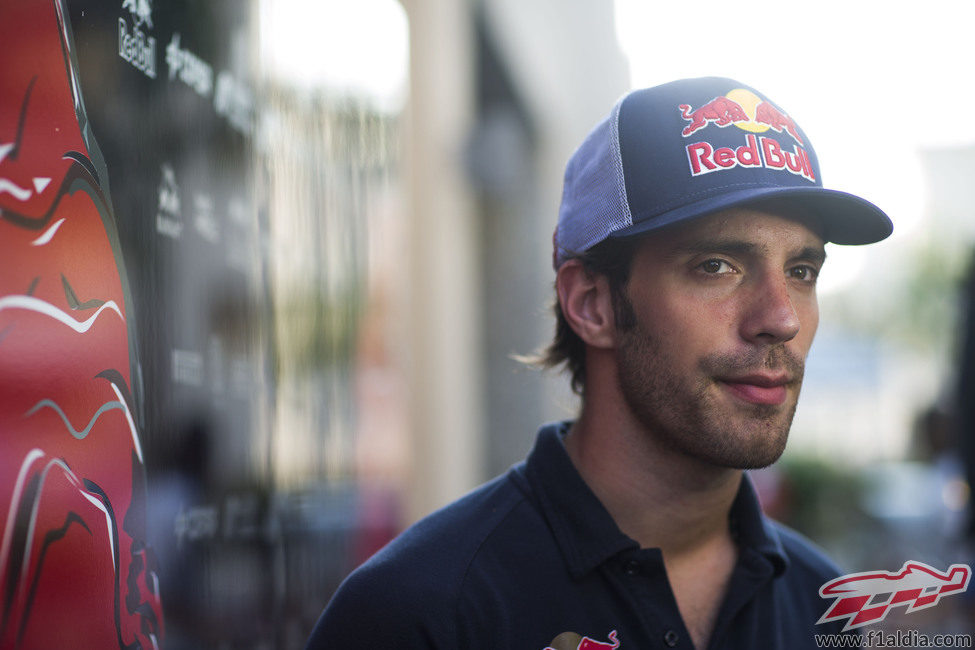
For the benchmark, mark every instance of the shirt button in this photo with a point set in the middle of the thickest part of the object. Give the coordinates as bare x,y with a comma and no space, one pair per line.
632,568
671,638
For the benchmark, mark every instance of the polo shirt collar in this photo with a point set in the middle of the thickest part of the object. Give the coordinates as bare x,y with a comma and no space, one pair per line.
754,530
584,529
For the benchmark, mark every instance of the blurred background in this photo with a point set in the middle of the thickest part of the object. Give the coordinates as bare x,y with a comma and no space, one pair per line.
336,219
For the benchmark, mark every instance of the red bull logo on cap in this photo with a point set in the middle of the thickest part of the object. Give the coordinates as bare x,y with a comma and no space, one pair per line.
750,113
742,108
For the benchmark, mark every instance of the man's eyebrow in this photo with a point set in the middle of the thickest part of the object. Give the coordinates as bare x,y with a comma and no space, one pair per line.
742,247
812,253
732,246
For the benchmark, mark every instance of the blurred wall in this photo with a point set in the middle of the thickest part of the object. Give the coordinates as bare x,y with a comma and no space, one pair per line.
547,75
183,242
499,98
257,321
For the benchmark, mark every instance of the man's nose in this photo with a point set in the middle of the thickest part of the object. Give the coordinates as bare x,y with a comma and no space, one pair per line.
771,315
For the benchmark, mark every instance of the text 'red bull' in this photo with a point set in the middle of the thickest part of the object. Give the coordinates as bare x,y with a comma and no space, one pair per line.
756,152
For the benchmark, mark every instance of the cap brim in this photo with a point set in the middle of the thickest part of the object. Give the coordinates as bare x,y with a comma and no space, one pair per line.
847,219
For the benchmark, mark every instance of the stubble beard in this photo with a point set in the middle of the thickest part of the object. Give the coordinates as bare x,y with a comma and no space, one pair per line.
691,416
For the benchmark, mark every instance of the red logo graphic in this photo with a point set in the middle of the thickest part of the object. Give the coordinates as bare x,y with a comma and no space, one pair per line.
868,597
778,121
720,110
750,113
744,109
573,641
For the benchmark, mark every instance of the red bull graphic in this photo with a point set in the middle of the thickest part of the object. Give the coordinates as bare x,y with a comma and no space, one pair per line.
75,565
720,111
134,44
573,641
743,109
776,120
748,112
868,597
141,11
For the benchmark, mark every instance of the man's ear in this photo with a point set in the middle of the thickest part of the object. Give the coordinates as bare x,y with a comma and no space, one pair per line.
586,304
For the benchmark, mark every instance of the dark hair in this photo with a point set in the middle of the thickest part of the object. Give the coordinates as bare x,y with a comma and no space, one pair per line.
611,258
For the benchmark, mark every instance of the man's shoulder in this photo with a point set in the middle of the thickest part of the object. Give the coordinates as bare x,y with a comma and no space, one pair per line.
410,588
448,539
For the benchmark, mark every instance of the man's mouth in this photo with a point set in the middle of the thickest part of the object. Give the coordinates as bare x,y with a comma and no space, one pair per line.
766,389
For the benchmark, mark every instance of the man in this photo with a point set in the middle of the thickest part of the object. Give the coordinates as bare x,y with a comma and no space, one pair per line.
689,240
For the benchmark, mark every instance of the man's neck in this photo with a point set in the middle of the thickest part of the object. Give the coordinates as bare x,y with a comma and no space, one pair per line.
663,499
657,496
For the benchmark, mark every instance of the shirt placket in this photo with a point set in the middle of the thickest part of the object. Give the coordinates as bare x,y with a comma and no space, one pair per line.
640,575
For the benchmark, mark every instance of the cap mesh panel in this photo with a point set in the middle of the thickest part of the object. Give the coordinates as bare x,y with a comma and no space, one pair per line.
594,193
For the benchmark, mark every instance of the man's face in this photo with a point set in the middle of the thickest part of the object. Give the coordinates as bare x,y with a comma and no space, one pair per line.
722,314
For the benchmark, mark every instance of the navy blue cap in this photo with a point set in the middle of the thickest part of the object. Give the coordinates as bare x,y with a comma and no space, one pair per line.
692,147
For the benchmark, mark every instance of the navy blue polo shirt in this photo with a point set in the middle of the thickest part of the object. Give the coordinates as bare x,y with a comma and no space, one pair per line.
533,555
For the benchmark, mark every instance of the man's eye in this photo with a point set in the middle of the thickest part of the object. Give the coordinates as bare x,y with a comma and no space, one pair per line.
715,266
805,273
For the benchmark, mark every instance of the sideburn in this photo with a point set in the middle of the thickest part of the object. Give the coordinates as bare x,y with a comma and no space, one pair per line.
623,312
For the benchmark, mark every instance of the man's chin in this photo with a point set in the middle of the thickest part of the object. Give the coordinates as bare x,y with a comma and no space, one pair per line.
758,461
742,459
751,442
